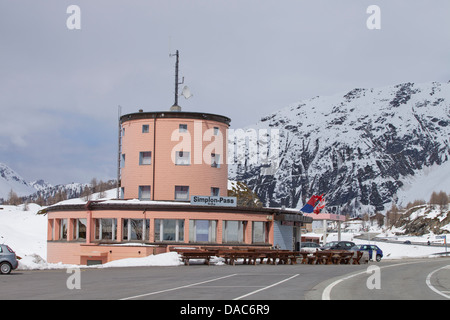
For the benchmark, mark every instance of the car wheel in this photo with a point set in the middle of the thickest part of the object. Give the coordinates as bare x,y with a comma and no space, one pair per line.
5,268
378,258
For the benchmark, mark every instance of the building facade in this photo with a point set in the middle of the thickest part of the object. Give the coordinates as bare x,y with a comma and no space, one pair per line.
167,159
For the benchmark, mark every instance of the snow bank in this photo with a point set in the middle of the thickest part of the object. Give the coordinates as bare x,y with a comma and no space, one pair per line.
163,259
35,262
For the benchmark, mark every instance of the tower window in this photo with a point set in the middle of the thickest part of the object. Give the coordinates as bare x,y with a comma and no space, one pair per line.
182,193
145,157
182,128
144,193
182,158
215,160
215,192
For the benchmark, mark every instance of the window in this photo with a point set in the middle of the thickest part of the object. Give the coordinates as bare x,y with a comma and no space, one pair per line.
145,158
145,128
259,232
182,158
215,160
202,230
135,229
233,231
51,235
122,161
63,229
105,229
182,193
215,192
144,193
79,230
216,131
169,230
182,128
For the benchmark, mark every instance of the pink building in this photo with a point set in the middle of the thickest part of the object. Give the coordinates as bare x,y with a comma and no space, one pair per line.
173,166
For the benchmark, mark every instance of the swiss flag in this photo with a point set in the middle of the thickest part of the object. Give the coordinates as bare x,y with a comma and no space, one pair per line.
309,206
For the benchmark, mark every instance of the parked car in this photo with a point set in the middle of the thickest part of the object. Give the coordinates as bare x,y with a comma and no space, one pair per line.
8,259
309,246
370,249
338,245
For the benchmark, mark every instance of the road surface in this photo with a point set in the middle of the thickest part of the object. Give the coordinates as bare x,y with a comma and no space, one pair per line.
396,279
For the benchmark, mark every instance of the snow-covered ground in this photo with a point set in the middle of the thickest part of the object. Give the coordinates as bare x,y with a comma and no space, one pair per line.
26,233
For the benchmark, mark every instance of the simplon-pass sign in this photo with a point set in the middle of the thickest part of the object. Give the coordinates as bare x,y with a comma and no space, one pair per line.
214,201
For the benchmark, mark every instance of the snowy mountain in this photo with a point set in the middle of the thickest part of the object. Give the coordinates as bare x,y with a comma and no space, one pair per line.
40,189
360,148
10,180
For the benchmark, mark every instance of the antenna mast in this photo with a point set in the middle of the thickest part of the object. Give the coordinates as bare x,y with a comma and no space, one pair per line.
175,106
119,151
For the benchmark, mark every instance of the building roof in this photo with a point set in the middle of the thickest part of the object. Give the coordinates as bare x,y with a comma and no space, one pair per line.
175,115
138,205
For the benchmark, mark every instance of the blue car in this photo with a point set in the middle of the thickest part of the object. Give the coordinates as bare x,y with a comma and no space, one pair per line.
8,259
370,248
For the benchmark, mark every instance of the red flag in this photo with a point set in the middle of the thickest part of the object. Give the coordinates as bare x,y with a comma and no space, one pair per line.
309,206
320,205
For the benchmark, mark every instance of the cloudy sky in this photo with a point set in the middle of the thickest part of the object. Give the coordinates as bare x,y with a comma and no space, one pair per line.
60,88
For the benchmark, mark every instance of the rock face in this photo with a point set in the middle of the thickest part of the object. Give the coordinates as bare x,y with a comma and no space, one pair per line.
424,219
354,147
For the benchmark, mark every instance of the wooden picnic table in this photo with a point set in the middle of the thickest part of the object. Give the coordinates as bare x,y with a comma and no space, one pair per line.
231,256
304,255
334,256
252,255
186,255
270,256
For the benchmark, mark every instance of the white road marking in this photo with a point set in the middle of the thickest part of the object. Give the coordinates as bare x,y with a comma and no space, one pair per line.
326,294
176,288
272,285
428,282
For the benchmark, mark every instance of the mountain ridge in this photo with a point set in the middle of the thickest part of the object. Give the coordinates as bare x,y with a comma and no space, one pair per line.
355,147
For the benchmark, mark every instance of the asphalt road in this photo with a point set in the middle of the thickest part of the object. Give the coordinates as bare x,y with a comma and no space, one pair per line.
415,279
402,279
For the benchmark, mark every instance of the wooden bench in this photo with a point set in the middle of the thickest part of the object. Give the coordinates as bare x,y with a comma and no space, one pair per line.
324,257
187,255
358,257
304,255
342,257
347,257
249,257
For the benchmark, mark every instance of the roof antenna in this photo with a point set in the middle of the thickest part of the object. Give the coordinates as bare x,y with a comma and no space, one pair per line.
175,106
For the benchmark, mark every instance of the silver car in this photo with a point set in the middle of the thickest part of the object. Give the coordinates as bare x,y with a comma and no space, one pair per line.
8,259
310,247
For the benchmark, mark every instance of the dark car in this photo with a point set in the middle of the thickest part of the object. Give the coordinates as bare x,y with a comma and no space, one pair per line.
8,259
371,249
338,245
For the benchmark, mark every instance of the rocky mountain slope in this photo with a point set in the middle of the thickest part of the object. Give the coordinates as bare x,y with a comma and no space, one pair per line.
42,192
11,180
358,148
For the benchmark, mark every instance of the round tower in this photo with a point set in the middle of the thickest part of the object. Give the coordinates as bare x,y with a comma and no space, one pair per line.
173,155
